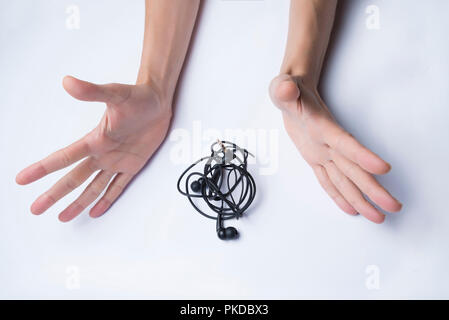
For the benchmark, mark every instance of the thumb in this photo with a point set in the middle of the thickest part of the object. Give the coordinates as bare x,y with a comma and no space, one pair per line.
284,89
86,91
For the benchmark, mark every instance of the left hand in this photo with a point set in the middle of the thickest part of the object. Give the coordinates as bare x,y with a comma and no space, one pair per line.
135,123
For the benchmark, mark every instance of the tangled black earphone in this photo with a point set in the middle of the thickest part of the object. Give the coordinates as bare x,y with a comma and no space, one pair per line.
225,185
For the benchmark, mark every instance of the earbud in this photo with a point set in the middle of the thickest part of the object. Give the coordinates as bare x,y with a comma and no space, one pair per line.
197,185
228,233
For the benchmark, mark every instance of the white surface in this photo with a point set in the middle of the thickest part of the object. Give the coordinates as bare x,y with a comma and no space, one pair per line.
388,87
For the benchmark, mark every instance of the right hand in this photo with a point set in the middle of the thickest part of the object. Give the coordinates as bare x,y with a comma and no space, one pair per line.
343,166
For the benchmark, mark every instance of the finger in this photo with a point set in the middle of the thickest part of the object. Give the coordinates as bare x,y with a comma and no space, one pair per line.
284,90
367,183
63,186
341,141
114,190
332,191
352,194
86,91
92,191
56,161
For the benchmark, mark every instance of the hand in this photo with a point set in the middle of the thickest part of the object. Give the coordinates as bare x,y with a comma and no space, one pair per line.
342,165
135,123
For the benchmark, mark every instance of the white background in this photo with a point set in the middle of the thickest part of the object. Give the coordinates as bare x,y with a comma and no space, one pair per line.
388,87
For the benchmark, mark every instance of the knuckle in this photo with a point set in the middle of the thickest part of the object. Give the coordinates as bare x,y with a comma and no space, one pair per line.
351,170
42,165
119,187
372,191
354,202
80,204
94,190
318,169
340,182
339,140
98,185
65,158
331,153
328,163
334,195
342,139
71,183
107,200
114,191
50,196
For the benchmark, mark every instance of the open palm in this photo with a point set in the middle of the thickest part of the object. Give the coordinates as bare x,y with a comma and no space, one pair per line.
135,123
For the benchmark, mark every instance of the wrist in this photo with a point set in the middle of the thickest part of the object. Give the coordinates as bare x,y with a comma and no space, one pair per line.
309,78
162,85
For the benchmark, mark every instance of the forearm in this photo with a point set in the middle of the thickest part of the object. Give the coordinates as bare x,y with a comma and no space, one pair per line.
168,28
308,36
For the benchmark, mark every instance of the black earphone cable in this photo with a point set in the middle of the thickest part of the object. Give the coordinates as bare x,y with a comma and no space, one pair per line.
224,172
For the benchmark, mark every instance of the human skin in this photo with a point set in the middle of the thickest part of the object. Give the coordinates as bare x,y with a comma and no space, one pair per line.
342,165
134,124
